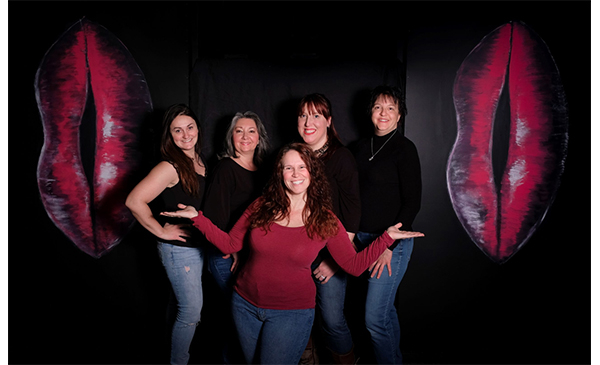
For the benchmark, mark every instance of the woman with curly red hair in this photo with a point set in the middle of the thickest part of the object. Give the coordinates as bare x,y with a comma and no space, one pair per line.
274,299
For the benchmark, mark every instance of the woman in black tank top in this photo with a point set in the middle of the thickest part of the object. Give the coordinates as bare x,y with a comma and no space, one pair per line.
179,178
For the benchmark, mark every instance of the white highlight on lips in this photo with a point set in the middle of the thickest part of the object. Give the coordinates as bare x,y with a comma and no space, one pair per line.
107,175
521,132
108,126
516,175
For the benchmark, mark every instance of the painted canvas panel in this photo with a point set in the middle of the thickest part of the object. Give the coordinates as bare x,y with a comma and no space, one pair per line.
501,213
92,98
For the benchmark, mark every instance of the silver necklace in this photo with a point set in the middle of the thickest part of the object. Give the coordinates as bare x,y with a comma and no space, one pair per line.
373,154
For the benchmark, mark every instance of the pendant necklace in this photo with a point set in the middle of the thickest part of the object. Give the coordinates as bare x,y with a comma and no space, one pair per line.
373,154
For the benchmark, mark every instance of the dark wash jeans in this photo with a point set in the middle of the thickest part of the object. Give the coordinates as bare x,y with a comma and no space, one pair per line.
330,301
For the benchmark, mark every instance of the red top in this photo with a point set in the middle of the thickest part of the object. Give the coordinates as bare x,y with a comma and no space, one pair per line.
277,274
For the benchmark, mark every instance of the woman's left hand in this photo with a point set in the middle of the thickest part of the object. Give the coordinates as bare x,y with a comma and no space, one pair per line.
187,211
395,232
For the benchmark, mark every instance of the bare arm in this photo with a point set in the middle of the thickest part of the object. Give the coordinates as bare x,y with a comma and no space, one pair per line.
161,177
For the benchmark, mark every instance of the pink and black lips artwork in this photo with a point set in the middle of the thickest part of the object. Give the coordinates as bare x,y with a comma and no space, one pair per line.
92,98
501,207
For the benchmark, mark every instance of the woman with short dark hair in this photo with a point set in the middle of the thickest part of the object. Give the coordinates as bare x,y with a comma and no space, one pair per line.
390,189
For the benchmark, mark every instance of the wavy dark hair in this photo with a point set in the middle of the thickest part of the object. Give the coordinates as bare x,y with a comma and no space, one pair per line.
170,152
322,105
274,205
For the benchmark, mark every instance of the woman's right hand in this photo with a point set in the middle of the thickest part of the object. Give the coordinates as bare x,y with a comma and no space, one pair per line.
187,211
175,232
235,262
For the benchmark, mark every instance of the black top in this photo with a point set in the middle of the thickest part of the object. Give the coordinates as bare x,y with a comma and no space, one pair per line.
390,184
342,175
168,201
231,189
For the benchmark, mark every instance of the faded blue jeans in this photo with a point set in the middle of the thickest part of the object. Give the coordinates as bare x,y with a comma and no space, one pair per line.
330,301
381,318
271,336
184,270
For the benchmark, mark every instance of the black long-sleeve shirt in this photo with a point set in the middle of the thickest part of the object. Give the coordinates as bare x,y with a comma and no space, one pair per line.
231,188
342,175
390,184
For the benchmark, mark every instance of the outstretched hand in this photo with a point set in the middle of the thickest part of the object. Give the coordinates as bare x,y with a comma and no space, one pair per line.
395,232
187,211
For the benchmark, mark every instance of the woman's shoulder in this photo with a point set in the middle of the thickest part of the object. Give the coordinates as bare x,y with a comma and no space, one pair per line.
255,205
360,144
342,152
341,157
405,143
228,167
165,167
164,173
225,163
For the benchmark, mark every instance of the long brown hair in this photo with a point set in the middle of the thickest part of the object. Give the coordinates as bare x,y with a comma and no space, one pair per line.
170,152
318,218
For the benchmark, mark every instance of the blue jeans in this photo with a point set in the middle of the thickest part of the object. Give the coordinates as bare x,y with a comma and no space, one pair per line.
271,336
184,270
330,302
220,269
381,318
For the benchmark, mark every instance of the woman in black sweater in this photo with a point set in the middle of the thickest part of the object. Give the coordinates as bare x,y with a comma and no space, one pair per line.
234,183
390,190
315,126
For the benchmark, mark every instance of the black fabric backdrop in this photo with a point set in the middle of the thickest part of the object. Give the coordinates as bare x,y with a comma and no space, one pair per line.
455,305
272,89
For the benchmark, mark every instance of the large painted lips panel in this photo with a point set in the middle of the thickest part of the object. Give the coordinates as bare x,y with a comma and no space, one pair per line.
89,64
501,219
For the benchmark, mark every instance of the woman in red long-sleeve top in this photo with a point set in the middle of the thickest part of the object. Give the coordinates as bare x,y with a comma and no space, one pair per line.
274,299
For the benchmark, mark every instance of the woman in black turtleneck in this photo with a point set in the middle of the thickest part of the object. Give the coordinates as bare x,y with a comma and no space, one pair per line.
390,189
